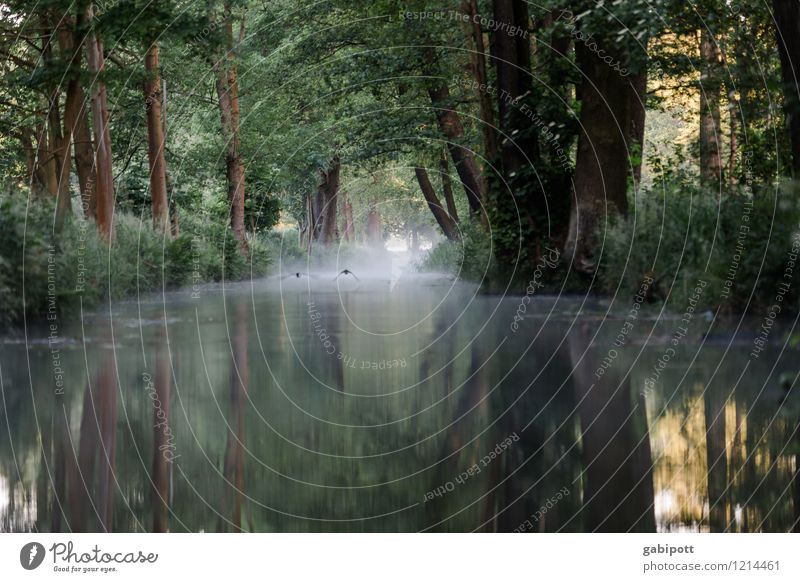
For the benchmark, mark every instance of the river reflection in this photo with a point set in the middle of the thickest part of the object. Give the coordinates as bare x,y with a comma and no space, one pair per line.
365,406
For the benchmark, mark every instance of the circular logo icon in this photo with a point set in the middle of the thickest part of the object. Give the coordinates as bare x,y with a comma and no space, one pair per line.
31,555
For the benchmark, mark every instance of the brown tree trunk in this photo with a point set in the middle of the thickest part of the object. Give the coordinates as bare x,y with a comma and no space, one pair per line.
84,158
347,218
227,83
519,204
478,65
104,178
512,63
76,123
58,140
311,221
327,200
447,187
467,168
601,173
787,28
442,218
349,224
710,128
46,176
374,238
155,141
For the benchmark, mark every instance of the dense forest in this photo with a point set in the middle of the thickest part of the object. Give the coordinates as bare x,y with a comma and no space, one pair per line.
270,265
148,145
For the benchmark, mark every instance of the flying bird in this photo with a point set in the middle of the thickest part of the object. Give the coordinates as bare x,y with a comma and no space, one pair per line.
347,272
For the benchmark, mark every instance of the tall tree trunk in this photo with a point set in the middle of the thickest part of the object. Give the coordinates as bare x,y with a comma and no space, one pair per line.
76,122
374,238
511,57
84,157
467,168
45,176
447,187
349,224
710,128
787,28
227,83
155,140
58,139
478,66
347,218
519,204
104,177
601,173
442,218
327,202
311,220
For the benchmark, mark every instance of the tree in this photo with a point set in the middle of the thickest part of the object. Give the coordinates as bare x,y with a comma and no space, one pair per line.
710,128
446,223
787,30
155,140
227,85
104,177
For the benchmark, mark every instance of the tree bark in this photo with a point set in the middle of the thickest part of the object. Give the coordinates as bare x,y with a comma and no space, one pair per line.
84,157
710,128
467,168
787,29
104,178
442,218
57,139
374,238
349,224
155,141
75,122
478,65
447,187
227,84
601,173
327,202
512,64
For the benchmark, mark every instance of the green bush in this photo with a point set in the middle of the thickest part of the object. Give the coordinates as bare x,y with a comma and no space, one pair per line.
469,258
735,241
40,272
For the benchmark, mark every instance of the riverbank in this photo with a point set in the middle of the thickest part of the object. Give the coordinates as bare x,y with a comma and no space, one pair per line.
42,276
732,249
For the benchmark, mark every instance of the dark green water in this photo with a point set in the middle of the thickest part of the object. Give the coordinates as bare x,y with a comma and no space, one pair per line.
394,408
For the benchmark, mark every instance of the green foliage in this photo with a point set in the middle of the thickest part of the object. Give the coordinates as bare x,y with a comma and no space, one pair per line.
81,270
681,235
469,258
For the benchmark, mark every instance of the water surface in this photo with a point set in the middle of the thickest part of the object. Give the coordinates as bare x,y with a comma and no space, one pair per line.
394,405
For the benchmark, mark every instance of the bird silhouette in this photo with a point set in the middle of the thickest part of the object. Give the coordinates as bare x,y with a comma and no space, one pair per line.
347,272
